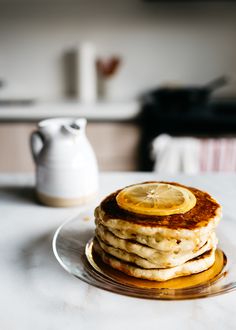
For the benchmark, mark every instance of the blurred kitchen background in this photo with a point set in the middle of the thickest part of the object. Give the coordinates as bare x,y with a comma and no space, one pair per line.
160,93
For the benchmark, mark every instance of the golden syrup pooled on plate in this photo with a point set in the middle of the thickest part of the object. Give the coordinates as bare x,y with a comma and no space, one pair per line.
208,276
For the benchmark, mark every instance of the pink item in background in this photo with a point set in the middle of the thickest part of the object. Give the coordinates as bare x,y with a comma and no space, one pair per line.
218,155
192,155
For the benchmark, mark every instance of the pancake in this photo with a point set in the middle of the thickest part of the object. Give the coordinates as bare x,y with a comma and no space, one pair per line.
130,250
147,236
163,244
171,245
200,221
192,266
145,263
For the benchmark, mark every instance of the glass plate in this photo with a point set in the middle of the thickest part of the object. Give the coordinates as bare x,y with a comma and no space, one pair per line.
72,246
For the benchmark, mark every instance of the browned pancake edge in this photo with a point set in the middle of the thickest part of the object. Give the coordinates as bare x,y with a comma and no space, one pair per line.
205,210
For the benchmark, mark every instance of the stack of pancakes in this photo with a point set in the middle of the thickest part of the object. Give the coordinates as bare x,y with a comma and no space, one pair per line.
155,247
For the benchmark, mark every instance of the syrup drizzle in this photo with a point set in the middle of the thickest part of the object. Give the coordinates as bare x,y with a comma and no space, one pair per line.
206,277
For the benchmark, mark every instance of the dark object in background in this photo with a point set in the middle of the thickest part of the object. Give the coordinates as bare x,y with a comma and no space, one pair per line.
69,72
2,83
106,72
182,99
16,102
211,118
108,67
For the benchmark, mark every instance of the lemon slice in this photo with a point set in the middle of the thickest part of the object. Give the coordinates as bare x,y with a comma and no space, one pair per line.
156,199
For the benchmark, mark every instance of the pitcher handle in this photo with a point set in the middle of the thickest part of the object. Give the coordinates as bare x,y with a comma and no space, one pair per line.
36,144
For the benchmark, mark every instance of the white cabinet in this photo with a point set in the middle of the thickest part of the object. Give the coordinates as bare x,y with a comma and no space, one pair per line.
14,147
115,145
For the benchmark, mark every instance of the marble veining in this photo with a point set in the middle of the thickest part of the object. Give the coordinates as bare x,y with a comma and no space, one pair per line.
36,293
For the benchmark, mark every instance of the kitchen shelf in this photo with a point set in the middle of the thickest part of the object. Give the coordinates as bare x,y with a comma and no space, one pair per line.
100,111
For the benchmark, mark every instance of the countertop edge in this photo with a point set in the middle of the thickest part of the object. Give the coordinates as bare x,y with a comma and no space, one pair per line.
119,111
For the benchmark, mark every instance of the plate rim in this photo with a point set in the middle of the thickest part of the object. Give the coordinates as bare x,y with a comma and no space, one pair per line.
160,293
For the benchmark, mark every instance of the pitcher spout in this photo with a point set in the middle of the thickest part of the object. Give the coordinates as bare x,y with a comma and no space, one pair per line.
75,127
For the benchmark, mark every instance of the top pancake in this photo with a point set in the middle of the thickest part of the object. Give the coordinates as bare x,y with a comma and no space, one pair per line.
207,210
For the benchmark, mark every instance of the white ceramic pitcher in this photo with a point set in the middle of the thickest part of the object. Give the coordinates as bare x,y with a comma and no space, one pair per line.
66,166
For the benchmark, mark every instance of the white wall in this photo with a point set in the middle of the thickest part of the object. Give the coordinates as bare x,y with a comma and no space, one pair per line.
159,42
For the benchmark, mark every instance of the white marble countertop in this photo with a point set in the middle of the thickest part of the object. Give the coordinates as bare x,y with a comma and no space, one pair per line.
105,111
36,293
